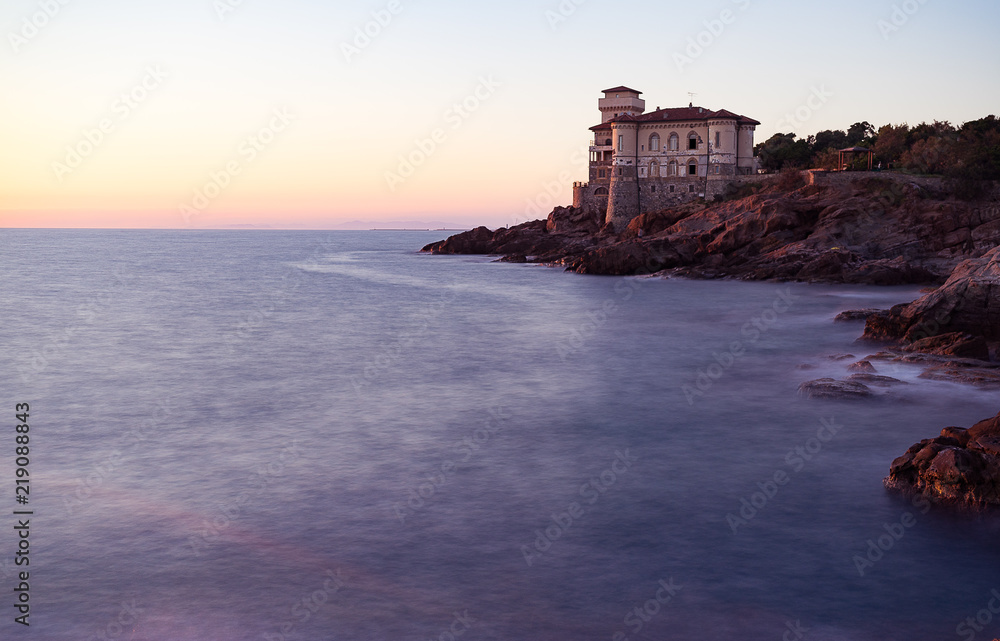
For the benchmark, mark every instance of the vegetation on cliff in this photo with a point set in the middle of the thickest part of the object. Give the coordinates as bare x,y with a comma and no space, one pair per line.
967,155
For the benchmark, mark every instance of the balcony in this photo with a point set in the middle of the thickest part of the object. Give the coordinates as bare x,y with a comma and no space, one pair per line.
594,148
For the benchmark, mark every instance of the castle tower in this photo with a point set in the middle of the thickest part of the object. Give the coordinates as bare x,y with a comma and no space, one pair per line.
623,198
620,101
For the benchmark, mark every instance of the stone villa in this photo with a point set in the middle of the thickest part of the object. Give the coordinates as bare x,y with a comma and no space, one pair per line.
642,162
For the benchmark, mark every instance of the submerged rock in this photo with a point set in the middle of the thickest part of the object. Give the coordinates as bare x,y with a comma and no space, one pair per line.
862,366
857,315
876,380
960,466
832,388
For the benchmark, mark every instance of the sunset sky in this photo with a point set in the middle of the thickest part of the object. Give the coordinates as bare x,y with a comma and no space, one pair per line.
209,113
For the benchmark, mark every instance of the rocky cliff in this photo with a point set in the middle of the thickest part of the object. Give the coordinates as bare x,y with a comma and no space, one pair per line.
870,230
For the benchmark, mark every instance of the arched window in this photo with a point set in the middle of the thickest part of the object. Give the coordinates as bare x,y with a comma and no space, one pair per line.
654,169
675,142
673,168
692,141
607,142
601,191
654,142
692,167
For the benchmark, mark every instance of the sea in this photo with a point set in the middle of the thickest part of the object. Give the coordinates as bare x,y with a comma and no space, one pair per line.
308,435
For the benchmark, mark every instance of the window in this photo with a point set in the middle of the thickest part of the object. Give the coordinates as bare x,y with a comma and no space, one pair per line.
693,168
621,142
718,139
693,141
601,191
671,189
654,169
642,172
675,142
600,173
718,170
654,189
673,167
608,142
691,189
654,142
619,171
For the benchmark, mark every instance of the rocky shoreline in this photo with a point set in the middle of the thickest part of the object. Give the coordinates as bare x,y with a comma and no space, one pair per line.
866,231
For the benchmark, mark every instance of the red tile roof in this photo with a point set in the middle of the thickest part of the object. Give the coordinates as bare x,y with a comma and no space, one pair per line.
620,89
682,114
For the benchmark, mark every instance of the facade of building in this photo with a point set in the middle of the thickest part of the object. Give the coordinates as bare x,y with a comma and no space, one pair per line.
642,162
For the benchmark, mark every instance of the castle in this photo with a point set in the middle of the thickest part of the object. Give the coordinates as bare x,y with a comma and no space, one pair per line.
642,162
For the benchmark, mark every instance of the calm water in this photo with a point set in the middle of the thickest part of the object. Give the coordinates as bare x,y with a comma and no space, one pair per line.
307,435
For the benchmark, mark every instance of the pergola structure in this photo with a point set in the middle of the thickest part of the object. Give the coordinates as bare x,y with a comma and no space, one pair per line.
851,153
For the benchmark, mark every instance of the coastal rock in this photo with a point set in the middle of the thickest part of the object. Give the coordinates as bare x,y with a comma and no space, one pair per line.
983,377
876,380
572,220
832,388
856,315
843,233
968,303
952,344
862,366
959,466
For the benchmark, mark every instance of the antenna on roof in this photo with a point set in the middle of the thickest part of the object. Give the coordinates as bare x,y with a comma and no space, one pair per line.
691,95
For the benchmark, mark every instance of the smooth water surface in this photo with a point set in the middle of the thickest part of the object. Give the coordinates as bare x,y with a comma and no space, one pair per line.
312,435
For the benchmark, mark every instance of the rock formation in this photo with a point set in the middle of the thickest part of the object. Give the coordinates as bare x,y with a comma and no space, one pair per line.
871,230
960,466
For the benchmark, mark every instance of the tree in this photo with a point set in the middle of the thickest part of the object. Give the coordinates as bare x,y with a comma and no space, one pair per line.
859,132
783,150
891,143
829,140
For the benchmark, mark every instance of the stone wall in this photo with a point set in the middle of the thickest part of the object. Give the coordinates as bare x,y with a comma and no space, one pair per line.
821,177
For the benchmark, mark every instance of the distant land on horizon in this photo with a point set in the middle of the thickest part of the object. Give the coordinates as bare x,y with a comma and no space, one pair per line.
361,225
